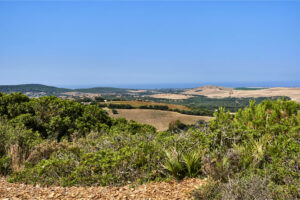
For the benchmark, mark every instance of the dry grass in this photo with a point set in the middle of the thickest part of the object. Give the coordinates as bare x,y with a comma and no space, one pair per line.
158,118
137,91
137,104
170,96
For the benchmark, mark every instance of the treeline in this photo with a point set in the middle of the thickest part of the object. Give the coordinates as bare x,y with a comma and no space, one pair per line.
192,111
195,111
119,106
201,112
98,99
155,107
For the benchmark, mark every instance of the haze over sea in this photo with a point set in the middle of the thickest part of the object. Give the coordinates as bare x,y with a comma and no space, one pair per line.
267,84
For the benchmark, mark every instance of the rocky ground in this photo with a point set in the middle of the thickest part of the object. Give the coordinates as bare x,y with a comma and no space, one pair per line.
153,190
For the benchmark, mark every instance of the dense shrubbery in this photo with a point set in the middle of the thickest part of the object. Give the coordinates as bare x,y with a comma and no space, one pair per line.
253,154
52,117
192,111
195,111
206,104
262,142
120,106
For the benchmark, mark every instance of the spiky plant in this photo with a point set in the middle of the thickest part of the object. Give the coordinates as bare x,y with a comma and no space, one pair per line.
174,164
192,161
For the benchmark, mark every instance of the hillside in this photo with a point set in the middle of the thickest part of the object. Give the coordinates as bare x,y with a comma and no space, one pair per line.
34,90
50,89
222,92
103,90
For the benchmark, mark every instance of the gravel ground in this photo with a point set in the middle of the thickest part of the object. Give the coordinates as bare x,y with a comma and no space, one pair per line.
154,190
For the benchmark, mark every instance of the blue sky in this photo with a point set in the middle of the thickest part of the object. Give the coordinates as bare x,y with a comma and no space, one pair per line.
132,42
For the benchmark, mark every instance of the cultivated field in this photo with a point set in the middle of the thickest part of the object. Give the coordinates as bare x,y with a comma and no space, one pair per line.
170,96
158,118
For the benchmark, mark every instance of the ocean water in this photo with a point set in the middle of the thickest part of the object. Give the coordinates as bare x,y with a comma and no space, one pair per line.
190,85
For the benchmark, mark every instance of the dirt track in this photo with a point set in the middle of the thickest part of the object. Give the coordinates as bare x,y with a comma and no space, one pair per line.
153,190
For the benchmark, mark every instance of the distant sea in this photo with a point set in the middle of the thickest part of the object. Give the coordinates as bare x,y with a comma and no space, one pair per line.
191,85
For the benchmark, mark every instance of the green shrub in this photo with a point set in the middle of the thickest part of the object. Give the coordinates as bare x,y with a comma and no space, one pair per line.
5,165
53,171
244,187
176,126
114,111
208,191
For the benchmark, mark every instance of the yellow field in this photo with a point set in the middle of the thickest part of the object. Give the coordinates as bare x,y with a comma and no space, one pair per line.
137,104
158,118
170,96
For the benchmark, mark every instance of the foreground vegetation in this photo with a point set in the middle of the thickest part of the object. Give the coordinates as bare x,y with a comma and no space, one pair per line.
254,154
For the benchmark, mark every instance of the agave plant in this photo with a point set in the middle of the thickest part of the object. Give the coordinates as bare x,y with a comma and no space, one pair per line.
192,161
174,164
181,164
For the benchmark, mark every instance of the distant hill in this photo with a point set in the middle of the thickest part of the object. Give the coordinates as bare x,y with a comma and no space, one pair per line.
32,88
102,90
50,90
210,91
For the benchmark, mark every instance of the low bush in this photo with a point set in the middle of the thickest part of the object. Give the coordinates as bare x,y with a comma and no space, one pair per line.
114,111
208,191
176,126
5,165
244,187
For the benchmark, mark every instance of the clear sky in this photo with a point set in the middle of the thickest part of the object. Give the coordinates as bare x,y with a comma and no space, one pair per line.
154,42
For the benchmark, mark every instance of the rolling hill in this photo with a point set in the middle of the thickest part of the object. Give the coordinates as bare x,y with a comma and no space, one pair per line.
51,90
32,88
209,91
